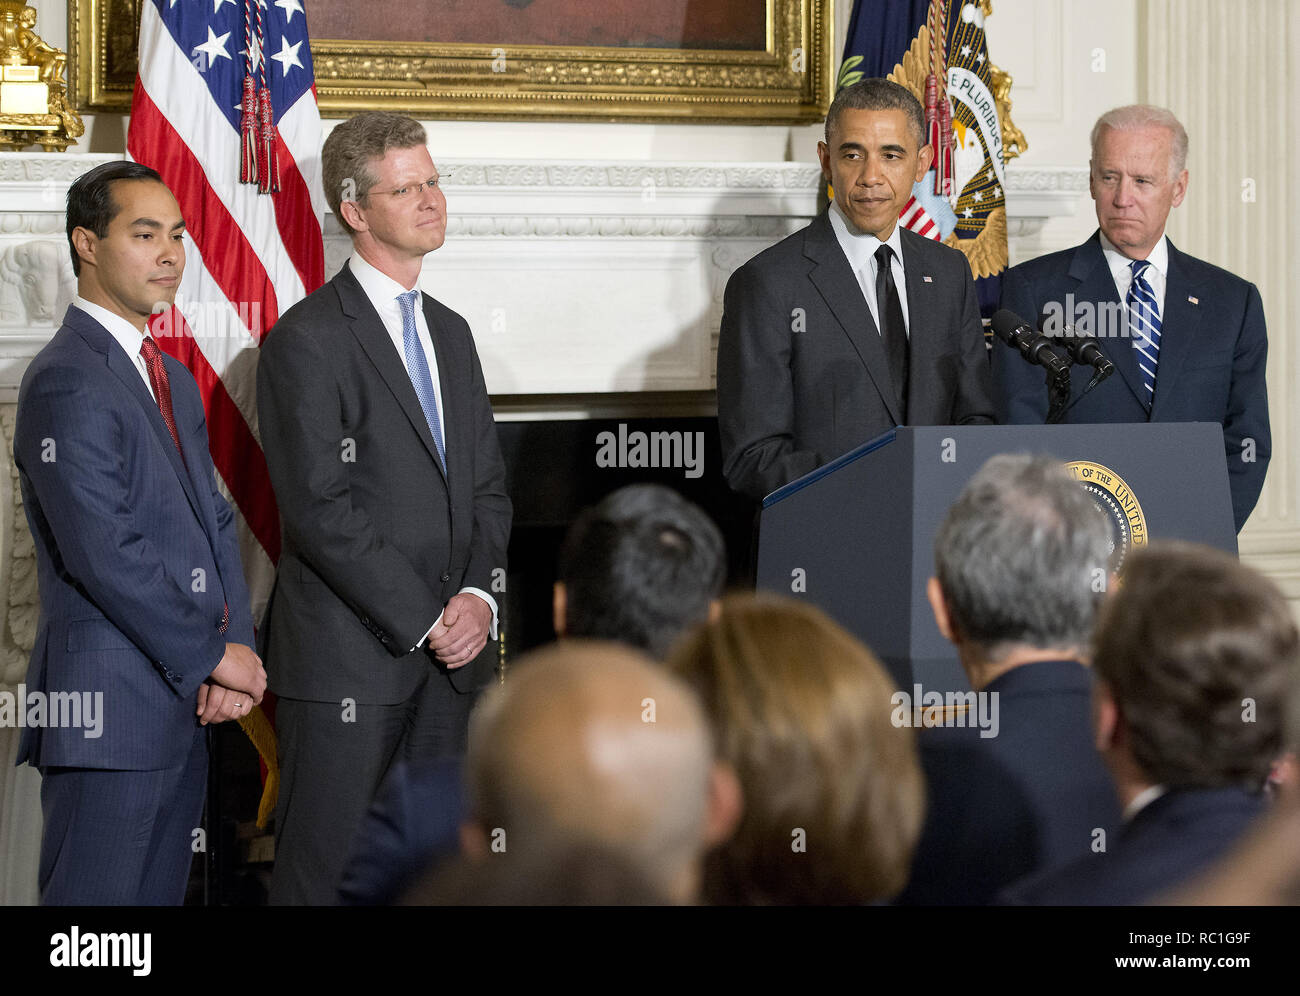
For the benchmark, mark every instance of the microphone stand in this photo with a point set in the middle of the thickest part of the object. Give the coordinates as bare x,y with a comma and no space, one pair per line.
1058,395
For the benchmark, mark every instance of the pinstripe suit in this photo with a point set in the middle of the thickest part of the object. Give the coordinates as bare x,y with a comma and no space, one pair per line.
137,559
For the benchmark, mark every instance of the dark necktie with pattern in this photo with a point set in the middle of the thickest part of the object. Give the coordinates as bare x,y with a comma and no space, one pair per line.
162,388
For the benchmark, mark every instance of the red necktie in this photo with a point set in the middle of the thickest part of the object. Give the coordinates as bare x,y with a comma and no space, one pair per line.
162,388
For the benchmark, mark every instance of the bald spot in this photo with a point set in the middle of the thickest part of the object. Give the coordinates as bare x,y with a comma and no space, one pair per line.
562,752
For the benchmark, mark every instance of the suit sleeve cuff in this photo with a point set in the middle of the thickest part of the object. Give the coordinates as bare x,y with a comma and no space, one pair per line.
424,639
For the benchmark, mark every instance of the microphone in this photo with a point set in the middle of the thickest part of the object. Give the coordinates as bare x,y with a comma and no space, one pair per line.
1035,347
1084,350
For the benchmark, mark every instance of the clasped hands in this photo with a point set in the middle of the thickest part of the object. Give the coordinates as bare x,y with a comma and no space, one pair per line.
234,687
462,631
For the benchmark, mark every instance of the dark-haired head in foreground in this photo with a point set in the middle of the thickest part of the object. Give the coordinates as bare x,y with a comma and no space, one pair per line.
1193,659
639,568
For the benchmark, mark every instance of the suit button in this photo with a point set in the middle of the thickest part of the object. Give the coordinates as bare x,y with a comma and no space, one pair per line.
445,578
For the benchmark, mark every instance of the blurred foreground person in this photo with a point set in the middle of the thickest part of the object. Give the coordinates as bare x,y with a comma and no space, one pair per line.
833,791
1193,660
1021,567
590,745
640,567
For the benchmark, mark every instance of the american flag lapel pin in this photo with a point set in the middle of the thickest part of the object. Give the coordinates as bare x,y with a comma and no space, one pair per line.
1193,300
927,278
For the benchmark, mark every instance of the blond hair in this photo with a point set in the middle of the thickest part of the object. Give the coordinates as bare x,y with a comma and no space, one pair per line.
802,711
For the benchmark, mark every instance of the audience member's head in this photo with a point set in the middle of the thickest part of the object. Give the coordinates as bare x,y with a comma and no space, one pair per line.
640,568
1021,567
593,744
1264,870
1193,657
833,790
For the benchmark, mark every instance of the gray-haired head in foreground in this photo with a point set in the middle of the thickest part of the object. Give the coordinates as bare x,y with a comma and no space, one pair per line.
877,95
1133,116
1018,556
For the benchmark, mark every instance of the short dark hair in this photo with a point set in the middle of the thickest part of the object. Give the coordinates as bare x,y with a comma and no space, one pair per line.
877,94
1192,642
90,199
640,567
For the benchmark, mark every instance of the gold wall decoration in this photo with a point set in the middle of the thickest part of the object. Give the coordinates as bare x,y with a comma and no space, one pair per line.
34,108
787,80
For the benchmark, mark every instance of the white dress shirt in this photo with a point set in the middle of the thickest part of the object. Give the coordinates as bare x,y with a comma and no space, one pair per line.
860,250
127,336
383,292
1157,273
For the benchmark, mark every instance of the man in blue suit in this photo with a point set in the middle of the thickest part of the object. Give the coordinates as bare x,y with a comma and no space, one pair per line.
143,603
1187,338
1021,567
1193,662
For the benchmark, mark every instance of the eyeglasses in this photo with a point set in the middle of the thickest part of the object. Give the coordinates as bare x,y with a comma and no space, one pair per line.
409,192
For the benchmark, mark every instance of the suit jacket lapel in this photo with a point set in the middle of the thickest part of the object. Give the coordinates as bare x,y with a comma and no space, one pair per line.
121,365
924,328
1180,322
370,332
838,286
1097,286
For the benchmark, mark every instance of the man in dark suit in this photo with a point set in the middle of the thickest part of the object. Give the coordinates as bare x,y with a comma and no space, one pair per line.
1193,661
1021,567
1187,338
145,619
384,457
823,348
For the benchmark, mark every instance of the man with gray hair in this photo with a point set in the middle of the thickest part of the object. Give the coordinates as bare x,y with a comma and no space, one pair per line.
1187,338
1021,565
383,452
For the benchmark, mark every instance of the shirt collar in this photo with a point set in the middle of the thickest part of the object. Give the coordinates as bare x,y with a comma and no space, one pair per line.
1143,799
128,336
859,246
382,289
1159,257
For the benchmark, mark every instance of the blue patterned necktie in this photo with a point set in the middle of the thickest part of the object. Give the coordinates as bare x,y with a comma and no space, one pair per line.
417,366
1144,325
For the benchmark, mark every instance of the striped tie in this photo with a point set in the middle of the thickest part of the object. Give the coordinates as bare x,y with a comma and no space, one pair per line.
1144,325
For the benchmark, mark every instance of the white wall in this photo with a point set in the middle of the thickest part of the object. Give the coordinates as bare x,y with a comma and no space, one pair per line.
1071,61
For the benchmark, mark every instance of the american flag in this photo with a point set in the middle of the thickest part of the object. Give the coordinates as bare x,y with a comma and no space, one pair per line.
249,254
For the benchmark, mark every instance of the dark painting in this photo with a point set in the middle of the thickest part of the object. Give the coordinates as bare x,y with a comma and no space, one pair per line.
676,24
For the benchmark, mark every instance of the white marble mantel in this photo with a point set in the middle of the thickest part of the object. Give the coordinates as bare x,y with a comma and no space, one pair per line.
578,278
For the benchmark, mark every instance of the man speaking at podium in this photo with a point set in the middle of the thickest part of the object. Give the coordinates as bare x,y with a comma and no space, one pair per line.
852,325
1187,338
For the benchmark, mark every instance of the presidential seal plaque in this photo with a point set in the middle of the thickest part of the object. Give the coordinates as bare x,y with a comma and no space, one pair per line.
1116,499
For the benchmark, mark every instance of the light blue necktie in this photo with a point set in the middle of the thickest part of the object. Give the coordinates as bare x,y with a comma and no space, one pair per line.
1144,325
417,366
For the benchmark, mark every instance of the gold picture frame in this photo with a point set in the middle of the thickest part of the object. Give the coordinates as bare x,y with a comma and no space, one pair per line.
788,82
